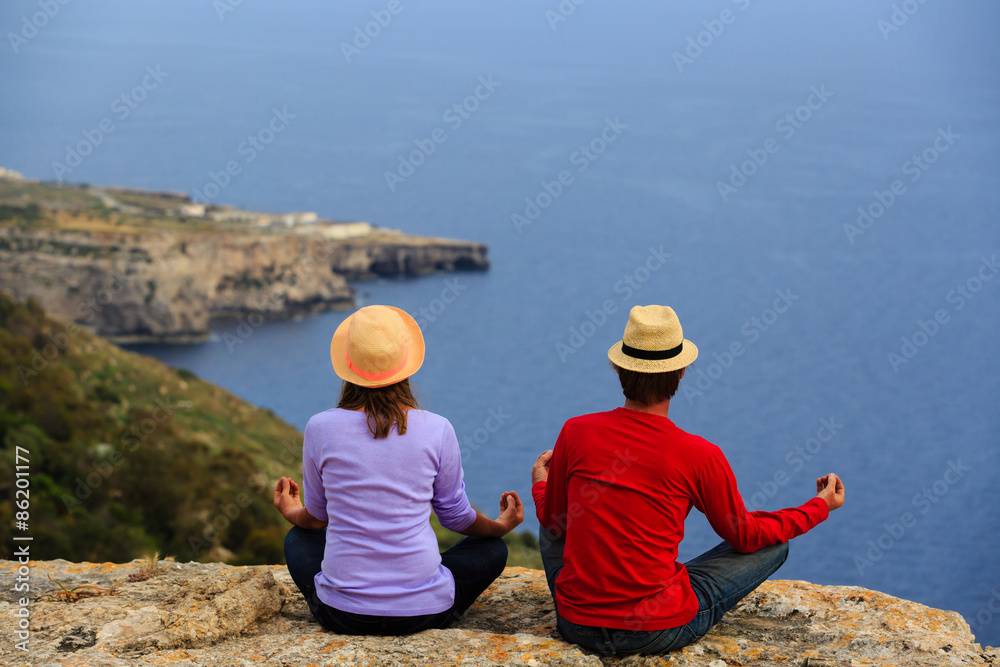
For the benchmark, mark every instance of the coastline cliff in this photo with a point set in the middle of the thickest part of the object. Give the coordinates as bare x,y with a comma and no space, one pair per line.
208,614
148,266
166,286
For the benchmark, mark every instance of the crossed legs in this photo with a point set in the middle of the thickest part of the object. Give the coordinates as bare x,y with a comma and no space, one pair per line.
720,577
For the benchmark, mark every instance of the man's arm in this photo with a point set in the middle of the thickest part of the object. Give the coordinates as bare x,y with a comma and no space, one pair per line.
719,499
549,487
539,485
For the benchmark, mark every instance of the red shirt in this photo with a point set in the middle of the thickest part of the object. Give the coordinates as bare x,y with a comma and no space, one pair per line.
620,485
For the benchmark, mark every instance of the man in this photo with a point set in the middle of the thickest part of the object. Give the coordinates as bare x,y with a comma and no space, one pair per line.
612,496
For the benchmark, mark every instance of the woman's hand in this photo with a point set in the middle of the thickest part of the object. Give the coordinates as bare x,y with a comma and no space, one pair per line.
540,471
286,496
511,516
511,511
289,502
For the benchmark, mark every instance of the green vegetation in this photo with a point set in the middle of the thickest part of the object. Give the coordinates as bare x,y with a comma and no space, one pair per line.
85,208
27,244
128,456
30,214
156,203
48,195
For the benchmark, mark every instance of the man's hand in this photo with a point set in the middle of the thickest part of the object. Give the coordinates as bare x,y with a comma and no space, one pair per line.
831,490
540,471
511,511
286,496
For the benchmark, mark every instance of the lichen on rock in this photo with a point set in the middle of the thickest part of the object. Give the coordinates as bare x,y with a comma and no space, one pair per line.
214,615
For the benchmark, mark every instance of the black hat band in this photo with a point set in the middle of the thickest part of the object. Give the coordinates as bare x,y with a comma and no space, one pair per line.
651,355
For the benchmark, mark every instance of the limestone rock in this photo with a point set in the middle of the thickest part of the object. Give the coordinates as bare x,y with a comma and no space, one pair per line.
206,616
397,256
166,285
214,615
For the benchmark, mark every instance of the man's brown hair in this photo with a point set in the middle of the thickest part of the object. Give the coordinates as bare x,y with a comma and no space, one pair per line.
648,388
385,406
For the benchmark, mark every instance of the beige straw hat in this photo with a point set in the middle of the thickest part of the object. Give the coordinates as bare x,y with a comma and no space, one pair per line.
377,346
653,342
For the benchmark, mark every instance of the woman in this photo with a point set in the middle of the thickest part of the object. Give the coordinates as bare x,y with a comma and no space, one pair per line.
362,550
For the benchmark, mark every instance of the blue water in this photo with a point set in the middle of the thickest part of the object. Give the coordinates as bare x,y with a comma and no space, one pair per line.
915,441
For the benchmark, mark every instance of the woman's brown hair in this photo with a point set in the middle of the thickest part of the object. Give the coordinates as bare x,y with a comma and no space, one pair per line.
385,406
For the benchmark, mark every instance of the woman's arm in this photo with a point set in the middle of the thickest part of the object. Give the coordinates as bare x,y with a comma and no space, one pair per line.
289,503
511,516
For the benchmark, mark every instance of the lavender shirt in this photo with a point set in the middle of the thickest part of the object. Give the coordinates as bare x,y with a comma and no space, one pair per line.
381,555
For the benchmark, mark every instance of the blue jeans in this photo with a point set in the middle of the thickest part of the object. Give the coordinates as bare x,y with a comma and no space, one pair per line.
475,563
720,578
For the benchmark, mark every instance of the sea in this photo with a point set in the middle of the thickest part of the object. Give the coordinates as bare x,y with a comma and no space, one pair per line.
813,187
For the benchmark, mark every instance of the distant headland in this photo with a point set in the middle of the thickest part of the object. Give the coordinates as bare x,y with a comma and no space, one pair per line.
143,265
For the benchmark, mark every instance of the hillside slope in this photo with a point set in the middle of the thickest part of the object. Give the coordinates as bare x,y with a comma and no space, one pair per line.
128,455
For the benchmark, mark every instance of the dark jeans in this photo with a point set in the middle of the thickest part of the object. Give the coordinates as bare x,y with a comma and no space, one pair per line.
720,578
475,563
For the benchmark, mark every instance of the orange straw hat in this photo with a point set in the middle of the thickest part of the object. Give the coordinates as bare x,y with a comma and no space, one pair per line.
377,346
653,342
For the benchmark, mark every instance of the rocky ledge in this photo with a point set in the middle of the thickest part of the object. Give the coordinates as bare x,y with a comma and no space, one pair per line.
111,615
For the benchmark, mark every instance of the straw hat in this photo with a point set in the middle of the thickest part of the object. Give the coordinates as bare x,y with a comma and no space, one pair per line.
377,346
653,342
